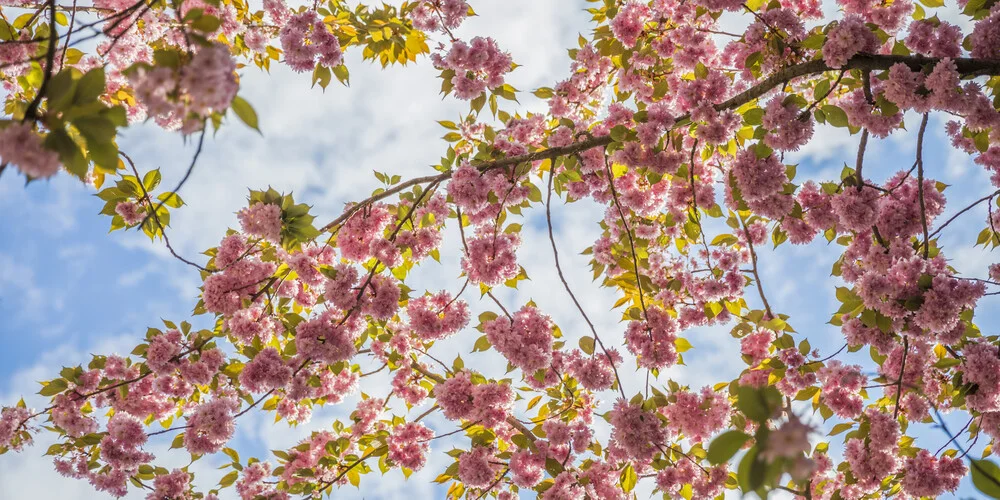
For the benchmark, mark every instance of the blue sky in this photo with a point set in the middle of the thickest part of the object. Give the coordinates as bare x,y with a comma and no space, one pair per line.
67,288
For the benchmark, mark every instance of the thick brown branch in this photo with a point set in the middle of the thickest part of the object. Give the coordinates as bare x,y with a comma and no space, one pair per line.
966,67
31,113
920,183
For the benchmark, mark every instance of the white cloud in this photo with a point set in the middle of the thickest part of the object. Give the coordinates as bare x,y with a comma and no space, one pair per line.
19,290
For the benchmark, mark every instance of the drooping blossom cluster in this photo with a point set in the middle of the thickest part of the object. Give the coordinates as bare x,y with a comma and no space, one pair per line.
525,340
847,39
437,316
210,426
262,220
408,445
434,15
652,339
21,147
478,66
183,98
695,416
841,387
635,431
487,403
306,39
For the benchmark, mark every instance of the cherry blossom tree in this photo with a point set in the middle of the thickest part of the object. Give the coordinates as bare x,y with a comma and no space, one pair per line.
676,126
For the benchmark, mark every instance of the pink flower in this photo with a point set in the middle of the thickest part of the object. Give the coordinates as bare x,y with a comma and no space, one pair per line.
251,484
927,476
475,469
757,346
527,468
857,209
628,24
486,403
13,422
985,38
266,371
758,178
250,324
491,259
635,431
323,339
849,37
304,37
653,340
940,39
161,356
697,417
478,65
210,426
129,212
526,341
594,372
174,485
22,147
791,440
434,15
262,220
366,414
841,387
437,316
871,463
409,444
787,131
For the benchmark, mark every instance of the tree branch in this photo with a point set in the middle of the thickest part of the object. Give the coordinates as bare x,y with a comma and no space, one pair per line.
920,182
555,256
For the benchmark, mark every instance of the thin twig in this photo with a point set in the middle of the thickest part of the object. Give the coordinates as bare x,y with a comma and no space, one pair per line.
756,275
156,217
194,160
555,256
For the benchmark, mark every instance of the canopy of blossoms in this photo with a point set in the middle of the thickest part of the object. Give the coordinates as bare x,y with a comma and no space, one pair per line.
677,127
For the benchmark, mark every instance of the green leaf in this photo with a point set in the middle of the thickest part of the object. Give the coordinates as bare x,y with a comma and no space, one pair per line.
757,404
90,86
725,446
544,93
170,199
321,75
151,179
986,477
628,478
245,112
834,115
207,24
58,140
95,128
229,479
104,154
342,74
482,344
54,387
746,474
178,441
841,427
61,89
